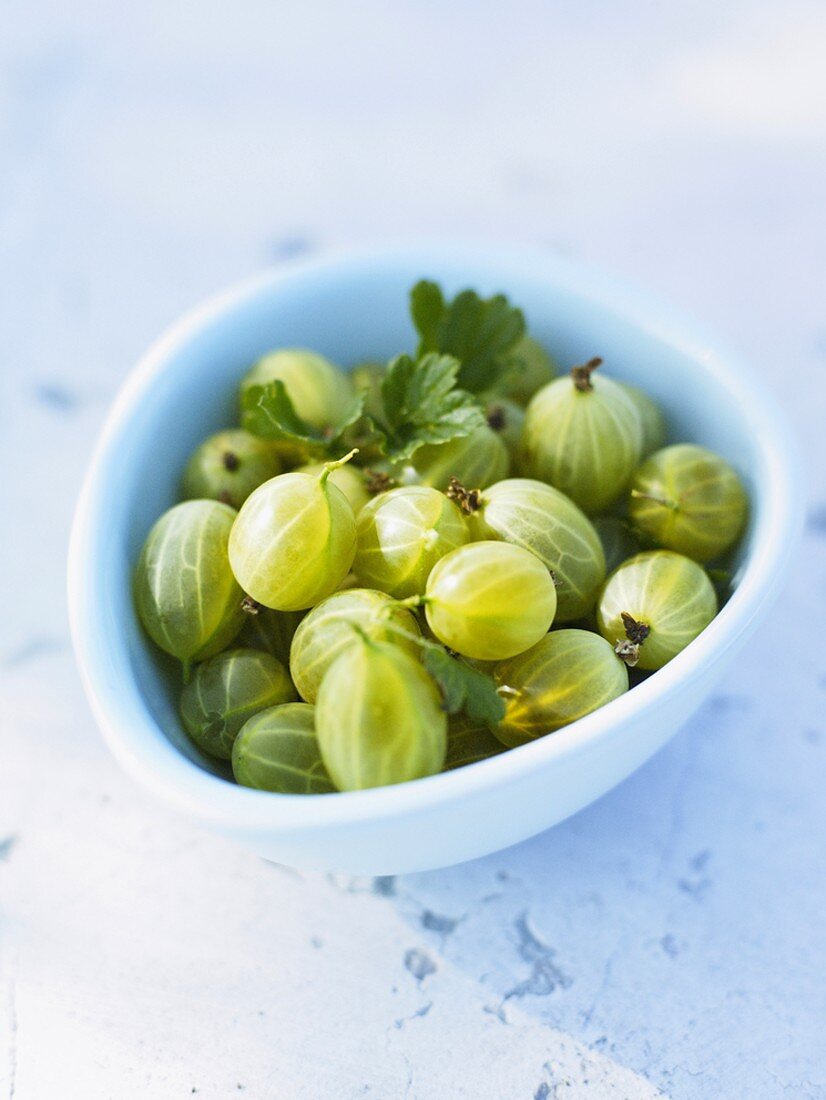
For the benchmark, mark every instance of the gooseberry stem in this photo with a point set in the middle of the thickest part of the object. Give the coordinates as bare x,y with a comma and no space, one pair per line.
469,500
635,631
412,601
582,374
335,465
496,417
378,481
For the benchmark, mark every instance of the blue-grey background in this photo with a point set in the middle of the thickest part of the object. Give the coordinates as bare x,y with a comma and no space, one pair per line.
667,941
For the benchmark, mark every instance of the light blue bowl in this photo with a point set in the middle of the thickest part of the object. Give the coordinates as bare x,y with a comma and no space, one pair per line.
353,308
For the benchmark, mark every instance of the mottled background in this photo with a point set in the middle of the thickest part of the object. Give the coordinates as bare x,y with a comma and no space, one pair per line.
667,941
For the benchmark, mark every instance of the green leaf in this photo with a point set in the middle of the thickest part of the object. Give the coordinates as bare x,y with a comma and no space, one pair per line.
462,687
268,412
479,332
422,405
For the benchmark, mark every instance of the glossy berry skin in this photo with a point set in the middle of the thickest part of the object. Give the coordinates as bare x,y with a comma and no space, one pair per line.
186,595
618,540
401,536
228,689
379,718
477,460
468,742
531,368
507,418
586,442
565,676
277,750
688,499
293,542
651,419
367,379
350,479
671,597
327,631
536,516
228,466
318,390
490,600
271,631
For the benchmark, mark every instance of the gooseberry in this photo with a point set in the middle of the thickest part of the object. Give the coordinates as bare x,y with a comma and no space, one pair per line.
327,631
507,418
402,534
367,379
536,516
566,675
228,689
478,459
349,478
228,466
294,540
277,750
529,368
186,595
582,435
379,718
269,630
490,600
688,499
618,540
318,390
467,742
652,421
653,605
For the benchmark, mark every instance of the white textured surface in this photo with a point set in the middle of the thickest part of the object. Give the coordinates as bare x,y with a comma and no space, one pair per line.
669,938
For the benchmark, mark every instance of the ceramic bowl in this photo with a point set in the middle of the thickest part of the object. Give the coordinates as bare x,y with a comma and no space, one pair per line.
352,308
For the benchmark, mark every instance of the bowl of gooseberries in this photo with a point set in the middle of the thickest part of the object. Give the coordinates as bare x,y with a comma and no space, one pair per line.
392,560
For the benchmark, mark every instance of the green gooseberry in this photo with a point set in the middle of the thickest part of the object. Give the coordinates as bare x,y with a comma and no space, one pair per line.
529,369
379,718
618,540
350,479
478,459
277,750
228,689
402,534
539,518
318,390
269,630
507,418
654,605
294,540
651,419
367,378
328,630
468,741
489,600
186,595
228,466
688,499
566,675
582,435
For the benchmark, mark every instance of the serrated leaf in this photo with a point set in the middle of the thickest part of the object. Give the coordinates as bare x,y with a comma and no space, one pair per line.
464,688
427,307
268,412
479,332
422,405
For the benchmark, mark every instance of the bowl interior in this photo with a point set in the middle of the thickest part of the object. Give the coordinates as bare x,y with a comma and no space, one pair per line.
350,311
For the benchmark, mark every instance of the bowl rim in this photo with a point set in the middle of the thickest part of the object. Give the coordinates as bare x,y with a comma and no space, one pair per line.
129,729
